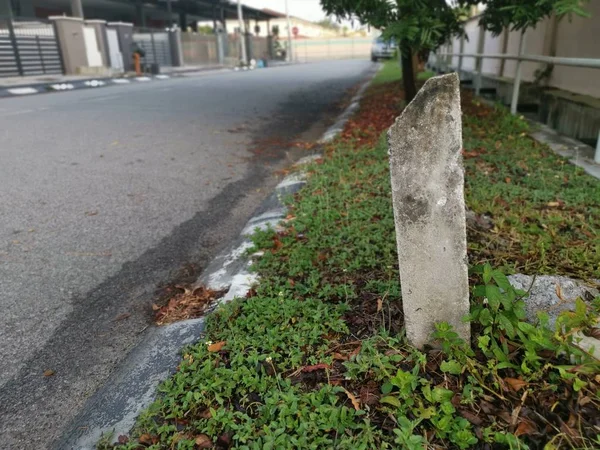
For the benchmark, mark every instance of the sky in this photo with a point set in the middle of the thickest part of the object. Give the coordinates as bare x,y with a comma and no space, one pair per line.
305,9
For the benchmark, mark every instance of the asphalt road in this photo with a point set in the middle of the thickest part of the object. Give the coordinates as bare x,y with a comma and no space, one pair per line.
108,194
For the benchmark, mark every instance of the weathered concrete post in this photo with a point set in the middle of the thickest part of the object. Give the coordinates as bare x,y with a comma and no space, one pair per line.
427,175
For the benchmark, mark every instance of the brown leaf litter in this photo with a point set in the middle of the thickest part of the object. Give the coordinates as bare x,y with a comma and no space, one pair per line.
186,303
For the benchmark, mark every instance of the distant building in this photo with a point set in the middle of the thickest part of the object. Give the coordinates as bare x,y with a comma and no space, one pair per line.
306,28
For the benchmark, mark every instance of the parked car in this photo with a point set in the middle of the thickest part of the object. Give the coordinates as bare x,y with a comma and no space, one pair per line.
382,49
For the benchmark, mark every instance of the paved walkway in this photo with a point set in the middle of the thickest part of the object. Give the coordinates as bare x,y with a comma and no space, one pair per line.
576,152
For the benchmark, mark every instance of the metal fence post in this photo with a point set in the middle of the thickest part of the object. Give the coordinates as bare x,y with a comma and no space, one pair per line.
479,60
460,57
39,47
15,46
517,82
154,56
597,155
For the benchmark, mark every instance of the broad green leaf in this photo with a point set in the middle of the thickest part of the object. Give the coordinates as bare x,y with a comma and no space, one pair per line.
453,367
506,325
487,273
485,317
479,291
441,395
494,296
391,400
526,327
501,280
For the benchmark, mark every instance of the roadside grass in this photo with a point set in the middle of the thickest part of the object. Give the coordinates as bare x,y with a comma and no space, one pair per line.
316,357
545,211
391,72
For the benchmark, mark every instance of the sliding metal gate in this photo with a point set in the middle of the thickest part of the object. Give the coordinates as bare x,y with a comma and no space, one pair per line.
28,47
155,44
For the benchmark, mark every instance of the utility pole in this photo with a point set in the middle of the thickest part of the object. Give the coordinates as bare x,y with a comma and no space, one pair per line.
76,8
242,34
289,32
170,13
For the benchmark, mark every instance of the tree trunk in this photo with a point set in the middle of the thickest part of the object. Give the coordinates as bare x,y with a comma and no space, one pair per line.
408,75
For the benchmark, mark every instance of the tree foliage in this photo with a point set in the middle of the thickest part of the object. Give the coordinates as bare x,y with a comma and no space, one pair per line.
420,26
523,14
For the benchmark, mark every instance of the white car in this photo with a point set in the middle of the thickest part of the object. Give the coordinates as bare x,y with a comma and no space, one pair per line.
382,49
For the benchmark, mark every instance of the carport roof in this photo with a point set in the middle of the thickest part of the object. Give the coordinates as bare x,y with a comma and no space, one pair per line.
208,8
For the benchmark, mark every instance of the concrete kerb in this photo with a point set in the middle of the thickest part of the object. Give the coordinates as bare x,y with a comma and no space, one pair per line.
335,129
114,408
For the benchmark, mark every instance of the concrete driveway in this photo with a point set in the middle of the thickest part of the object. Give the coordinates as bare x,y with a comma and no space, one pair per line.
106,195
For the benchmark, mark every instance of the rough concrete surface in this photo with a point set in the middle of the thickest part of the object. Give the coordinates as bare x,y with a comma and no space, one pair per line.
107,195
427,178
544,294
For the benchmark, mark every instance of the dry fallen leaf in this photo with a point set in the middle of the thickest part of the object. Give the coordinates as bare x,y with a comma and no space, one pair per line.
379,304
216,347
353,399
516,384
559,292
48,373
525,427
147,439
203,441
206,414
339,357
122,439
315,367
122,316
355,352
473,418
91,213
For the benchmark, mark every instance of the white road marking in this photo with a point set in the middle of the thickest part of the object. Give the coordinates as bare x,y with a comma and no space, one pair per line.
62,86
94,83
23,91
